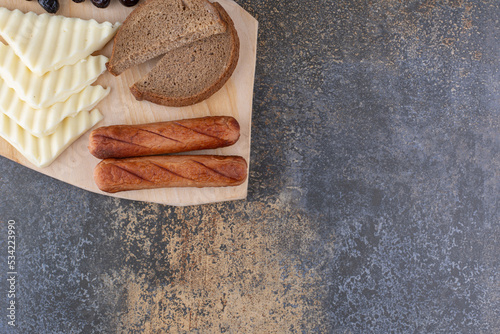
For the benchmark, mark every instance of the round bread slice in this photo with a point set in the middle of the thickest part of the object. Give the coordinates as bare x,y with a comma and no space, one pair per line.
192,73
158,26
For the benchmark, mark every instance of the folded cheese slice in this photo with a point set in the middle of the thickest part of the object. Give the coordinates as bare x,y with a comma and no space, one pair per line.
43,122
47,42
43,151
52,87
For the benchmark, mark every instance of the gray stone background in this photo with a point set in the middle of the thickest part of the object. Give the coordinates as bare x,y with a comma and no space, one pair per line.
373,202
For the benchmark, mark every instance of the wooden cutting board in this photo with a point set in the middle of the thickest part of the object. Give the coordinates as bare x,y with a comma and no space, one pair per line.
75,165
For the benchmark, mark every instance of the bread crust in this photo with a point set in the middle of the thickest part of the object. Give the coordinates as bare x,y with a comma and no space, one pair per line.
120,141
115,175
130,18
208,91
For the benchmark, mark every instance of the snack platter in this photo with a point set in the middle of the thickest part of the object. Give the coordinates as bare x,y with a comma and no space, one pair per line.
75,165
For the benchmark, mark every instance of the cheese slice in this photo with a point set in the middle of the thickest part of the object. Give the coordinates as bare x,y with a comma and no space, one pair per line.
43,122
43,151
55,86
48,42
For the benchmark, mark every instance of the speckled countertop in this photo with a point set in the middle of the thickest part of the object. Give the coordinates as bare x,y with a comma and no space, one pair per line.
373,203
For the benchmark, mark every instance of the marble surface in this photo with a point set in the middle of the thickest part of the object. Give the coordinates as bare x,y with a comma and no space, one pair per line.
373,203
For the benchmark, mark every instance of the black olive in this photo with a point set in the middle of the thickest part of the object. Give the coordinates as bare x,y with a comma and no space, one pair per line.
78,1
50,6
101,3
129,3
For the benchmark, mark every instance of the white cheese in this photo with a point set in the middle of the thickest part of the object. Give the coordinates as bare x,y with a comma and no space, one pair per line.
48,42
44,150
42,122
52,87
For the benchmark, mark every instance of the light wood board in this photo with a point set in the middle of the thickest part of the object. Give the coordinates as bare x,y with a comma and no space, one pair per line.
75,165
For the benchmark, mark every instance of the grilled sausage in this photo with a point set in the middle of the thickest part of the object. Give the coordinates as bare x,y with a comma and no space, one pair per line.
114,175
122,141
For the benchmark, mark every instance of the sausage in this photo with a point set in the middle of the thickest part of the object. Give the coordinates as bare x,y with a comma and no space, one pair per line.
123,141
114,175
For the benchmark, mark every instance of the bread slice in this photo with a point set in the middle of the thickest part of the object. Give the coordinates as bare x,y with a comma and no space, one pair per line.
158,26
194,72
